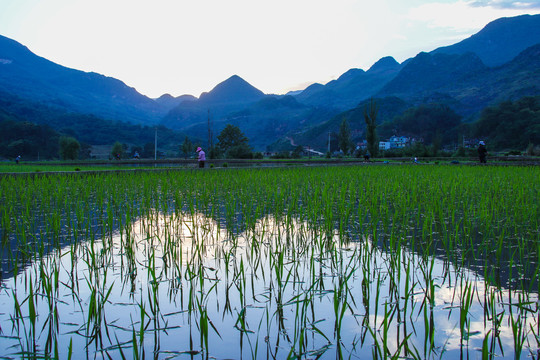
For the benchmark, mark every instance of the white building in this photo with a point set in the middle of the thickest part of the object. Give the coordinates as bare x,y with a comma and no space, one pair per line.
399,141
385,145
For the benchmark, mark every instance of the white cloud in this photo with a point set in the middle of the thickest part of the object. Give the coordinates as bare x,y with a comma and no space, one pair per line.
459,15
187,46
464,15
505,4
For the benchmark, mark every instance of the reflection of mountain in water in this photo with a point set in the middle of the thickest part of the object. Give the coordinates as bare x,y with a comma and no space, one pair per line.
500,267
36,234
507,267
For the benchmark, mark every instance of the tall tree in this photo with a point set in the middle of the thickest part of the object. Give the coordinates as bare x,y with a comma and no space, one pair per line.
233,143
436,143
370,116
117,150
187,147
148,150
69,148
344,137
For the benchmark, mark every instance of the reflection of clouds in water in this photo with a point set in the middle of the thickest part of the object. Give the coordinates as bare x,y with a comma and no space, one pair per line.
190,231
199,243
184,232
449,287
450,327
448,299
198,235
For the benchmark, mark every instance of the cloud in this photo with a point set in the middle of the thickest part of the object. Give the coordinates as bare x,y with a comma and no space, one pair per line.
506,4
468,15
458,15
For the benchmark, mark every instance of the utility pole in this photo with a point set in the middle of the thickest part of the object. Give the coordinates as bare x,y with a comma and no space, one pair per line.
155,145
210,135
329,141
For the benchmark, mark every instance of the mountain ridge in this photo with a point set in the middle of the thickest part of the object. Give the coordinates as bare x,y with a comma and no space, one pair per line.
466,79
352,87
454,75
29,75
500,40
231,95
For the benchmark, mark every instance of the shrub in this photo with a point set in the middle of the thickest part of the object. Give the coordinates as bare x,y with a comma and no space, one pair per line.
533,150
281,155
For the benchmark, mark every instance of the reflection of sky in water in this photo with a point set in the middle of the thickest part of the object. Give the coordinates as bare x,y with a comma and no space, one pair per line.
240,282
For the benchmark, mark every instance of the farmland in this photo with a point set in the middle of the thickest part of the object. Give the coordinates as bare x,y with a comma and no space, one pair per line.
317,262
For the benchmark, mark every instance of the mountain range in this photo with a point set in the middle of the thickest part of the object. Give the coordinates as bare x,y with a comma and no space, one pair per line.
29,76
500,62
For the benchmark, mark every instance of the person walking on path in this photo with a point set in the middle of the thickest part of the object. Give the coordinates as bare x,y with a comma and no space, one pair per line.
482,152
202,157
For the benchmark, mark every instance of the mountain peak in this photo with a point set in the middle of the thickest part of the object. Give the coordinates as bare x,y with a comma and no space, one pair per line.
235,78
233,90
165,97
384,64
350,74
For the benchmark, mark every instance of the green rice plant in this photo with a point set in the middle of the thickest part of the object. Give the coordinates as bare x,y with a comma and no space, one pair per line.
429,332
519,334
300,248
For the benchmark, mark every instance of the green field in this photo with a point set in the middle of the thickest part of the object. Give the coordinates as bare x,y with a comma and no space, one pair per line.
399,261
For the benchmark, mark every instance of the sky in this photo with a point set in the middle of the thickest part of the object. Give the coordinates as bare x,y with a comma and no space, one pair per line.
189,46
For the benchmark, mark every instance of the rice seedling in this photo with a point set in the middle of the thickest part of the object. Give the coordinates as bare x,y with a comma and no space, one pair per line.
381,261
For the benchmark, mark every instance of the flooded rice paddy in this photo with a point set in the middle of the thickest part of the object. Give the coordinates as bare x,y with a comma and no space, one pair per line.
343,262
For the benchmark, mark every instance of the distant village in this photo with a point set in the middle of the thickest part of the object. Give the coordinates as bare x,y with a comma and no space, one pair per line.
394,142
397,142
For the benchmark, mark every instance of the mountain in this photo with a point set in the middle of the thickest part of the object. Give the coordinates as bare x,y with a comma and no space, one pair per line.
273,117
461,82
231,95
32,129
27,75
352,87
499,41
234,90
427,73
168,101
498,63
511,81
317,136
465,81
264,121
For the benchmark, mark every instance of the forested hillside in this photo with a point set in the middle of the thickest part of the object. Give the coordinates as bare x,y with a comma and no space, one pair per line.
29,128
511,124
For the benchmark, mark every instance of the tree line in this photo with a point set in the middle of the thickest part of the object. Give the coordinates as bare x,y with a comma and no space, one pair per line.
508,126
33,131
231,144
505,126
